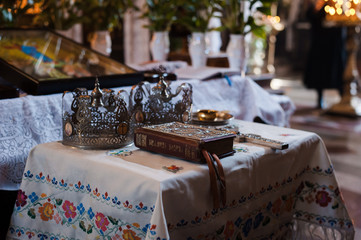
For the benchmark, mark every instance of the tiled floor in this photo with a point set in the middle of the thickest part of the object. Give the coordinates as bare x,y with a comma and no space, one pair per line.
341,135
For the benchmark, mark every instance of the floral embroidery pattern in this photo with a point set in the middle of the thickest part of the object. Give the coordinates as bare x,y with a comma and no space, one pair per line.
76,215
46,211
66,213
69,209
306,193
101,221
21,199
78,187
172,168
130,235
322,198
120,152
241,149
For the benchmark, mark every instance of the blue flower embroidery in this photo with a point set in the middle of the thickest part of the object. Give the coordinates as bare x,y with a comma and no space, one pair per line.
146,227
54,181
115,201
329,170
42,236
247,227
90,213
238,222
332,222
182,223
28,174
33,197
257,220
80,208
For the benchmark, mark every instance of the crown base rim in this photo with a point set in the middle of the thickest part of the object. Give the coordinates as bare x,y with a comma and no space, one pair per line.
97,147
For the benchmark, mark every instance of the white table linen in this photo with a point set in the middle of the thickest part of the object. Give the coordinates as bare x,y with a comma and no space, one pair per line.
31,120
69,193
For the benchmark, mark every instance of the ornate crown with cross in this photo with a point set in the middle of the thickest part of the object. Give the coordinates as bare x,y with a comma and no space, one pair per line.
157,104
96,121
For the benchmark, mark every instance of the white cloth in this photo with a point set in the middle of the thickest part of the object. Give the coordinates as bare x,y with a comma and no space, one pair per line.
31,120
281,194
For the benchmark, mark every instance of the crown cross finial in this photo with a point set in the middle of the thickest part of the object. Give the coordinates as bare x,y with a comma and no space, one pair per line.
97,95
162,69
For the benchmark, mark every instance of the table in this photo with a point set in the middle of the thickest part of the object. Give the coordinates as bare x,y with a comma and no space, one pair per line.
31,120
69,193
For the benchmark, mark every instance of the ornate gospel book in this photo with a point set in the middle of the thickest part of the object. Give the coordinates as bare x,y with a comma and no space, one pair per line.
184,141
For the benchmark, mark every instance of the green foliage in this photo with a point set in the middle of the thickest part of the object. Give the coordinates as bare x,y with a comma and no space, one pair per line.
60,15
195,14
31,213
160,13
104,14
58,201
12,12
237,22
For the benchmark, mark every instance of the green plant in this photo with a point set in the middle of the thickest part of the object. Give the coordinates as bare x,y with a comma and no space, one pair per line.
195,14
160,13
104,14
12,12
59,14
238,16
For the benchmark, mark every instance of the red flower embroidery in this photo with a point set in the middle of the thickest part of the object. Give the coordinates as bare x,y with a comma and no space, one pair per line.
229,230
101,221
289,204
130,235
276,208
322,198
21,199
46,211
70,210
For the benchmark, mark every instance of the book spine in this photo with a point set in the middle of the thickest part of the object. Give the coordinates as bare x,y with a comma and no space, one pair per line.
188,150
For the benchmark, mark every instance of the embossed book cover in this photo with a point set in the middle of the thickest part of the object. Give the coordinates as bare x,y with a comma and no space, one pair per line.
184,141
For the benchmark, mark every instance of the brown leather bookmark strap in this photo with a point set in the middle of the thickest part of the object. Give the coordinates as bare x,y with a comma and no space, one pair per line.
213,180
222,178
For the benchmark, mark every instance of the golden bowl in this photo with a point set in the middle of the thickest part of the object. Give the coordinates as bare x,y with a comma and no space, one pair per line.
207,115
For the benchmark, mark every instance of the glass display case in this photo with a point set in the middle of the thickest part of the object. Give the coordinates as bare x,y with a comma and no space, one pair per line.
40,61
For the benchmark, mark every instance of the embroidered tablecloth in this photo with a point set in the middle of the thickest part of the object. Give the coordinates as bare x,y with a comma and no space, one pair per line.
69,193
31,120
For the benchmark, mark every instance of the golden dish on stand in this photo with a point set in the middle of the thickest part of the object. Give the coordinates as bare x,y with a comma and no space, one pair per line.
211,117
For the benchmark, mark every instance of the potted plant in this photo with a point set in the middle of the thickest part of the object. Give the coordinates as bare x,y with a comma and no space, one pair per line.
15,13
100,17
59,15
195,16
239,18
160,14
